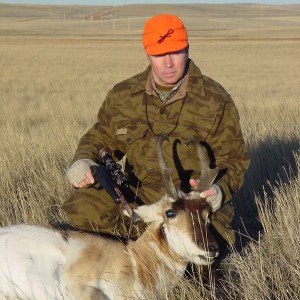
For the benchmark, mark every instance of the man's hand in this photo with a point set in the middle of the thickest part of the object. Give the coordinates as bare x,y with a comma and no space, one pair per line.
213,195
89,179
79,174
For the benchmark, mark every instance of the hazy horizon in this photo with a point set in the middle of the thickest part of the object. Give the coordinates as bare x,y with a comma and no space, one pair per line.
125,2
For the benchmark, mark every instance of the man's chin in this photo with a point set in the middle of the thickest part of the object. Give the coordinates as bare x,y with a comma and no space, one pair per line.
170,80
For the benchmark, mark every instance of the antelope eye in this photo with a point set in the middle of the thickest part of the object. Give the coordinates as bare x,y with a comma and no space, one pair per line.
170,213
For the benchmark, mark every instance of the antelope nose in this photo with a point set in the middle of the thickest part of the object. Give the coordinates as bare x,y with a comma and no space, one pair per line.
214,249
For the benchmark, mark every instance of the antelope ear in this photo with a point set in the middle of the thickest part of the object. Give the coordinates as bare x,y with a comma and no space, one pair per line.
149,213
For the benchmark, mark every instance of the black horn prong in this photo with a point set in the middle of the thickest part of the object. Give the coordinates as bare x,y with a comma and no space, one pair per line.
165,171
208,175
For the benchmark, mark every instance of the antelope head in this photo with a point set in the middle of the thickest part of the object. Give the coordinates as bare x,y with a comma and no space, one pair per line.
183,219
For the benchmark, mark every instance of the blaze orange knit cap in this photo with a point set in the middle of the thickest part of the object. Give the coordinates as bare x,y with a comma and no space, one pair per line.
164,33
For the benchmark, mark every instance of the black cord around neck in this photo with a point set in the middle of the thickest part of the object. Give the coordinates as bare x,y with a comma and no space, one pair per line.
149,124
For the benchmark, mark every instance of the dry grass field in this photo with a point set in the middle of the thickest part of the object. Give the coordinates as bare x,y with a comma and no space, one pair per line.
57,67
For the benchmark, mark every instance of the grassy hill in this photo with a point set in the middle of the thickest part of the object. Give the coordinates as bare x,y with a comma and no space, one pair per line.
203,21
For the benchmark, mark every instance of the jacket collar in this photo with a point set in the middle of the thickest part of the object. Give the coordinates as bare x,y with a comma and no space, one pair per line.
193,83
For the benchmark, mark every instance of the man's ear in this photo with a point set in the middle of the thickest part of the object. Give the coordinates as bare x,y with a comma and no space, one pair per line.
187,49
147,55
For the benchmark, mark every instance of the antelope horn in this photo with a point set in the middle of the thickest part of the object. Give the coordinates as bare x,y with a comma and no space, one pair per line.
208,175
165,171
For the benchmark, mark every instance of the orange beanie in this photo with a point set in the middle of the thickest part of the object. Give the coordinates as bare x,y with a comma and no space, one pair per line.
164,33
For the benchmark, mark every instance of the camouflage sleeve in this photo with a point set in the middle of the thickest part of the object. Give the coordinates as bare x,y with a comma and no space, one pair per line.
230,150
102,134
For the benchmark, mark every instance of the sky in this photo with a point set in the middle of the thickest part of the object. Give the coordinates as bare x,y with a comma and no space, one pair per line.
119,2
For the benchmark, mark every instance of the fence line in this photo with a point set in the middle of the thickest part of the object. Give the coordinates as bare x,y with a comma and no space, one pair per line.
105,21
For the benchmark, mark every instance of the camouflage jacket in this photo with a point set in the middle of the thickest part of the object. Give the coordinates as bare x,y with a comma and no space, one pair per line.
132,115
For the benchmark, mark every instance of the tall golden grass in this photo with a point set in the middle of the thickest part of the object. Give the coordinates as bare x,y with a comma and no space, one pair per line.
51,88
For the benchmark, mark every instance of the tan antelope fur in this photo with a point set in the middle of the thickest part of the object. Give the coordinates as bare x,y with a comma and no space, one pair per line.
40,263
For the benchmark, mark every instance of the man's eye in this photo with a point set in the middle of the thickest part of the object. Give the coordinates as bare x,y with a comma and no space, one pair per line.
170,213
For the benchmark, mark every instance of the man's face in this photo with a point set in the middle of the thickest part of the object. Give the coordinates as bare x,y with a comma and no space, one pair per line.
168,68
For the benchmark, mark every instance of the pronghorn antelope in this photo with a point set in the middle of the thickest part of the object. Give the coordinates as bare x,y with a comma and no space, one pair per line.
39,263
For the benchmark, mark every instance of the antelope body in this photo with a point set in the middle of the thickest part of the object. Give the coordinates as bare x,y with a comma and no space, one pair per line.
40,263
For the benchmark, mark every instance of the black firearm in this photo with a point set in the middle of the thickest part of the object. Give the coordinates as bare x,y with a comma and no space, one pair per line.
103,176
113,180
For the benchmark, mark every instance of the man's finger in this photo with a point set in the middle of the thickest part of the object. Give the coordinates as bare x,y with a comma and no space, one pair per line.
80,184
210,192
89,177
194,183
76,185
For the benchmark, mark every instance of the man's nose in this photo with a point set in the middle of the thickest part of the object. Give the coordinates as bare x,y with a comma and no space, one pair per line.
168,61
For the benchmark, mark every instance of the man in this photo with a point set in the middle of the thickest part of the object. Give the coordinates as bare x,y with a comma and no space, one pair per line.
170,97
